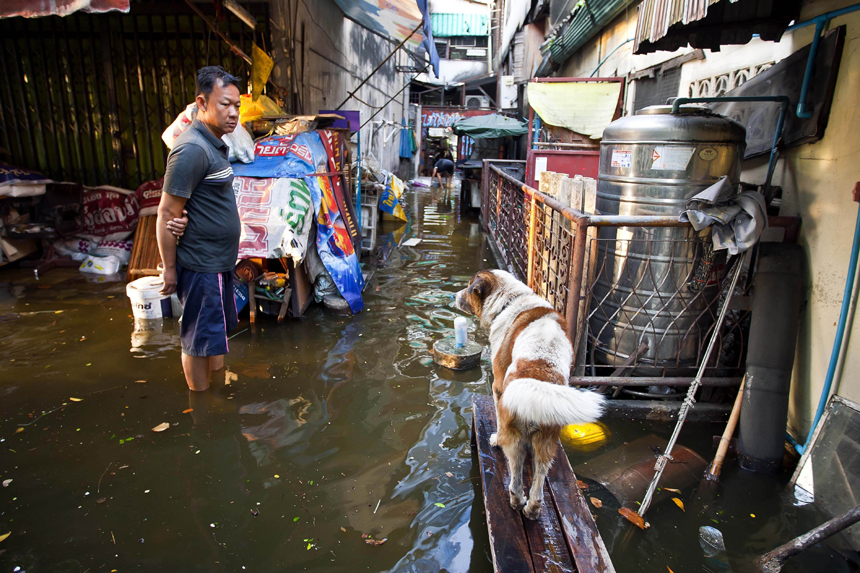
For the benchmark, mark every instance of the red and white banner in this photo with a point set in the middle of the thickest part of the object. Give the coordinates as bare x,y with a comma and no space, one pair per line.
276,215
109,213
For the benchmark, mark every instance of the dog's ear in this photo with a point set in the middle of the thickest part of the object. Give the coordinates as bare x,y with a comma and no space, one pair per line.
480,287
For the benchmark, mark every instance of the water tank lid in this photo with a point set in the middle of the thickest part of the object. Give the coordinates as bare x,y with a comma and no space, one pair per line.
683,110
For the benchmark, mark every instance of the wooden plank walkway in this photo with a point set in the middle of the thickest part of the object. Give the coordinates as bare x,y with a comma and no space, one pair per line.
565,539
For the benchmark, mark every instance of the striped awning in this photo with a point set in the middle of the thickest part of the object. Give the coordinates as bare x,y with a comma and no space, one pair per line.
708,24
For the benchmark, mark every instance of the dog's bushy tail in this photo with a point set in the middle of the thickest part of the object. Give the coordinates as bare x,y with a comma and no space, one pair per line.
548,404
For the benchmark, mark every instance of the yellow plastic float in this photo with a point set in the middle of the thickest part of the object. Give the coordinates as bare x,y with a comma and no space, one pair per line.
585,437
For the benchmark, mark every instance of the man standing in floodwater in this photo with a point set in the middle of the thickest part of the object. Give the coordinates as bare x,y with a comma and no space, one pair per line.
199,266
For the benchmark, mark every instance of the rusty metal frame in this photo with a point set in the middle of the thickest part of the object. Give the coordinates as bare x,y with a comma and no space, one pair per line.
512,210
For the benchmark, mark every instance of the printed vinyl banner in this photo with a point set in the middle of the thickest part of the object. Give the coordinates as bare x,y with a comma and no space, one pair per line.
276,217
292,158
389,200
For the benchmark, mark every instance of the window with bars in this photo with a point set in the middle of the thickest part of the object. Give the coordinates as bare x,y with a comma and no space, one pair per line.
656,90
462,47
468,48
476,41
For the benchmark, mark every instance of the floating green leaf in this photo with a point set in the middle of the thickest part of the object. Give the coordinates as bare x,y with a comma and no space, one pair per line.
439,504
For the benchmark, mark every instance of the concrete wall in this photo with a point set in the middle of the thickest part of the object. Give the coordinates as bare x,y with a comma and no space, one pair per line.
817,180
333,55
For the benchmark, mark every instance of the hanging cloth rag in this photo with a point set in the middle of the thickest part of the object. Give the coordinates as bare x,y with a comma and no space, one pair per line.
738,219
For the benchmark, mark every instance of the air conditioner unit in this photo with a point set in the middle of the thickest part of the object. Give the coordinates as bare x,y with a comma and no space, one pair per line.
474,101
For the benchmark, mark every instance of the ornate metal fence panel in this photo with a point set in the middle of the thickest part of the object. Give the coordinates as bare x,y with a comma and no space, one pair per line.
86,97
508,217
552,246
653,304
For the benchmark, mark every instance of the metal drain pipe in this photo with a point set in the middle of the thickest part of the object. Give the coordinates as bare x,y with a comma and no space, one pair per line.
770,355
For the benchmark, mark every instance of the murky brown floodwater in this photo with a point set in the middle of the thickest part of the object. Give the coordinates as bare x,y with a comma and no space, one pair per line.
323,430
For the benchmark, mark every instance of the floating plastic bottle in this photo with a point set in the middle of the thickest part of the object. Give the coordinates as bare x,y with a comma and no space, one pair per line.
460,335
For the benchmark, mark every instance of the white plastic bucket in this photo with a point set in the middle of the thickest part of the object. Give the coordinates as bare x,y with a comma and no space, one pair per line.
146,301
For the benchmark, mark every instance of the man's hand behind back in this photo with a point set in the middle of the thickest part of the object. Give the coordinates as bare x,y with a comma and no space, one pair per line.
177,226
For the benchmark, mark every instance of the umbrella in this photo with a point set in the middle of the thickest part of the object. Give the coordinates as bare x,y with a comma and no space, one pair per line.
489,126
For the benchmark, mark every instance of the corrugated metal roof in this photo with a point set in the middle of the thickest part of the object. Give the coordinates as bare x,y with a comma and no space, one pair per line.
447,25
671,24
587,20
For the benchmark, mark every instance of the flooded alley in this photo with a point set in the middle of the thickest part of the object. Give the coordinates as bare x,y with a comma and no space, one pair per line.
327,436
324,430
289,194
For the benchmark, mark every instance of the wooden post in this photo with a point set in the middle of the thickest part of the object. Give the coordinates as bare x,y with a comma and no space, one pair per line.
252,303
772,562
589,207
485,195
713,472
577,256
531,244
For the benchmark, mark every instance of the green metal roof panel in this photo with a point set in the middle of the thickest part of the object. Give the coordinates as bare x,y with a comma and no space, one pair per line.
587,20
447,25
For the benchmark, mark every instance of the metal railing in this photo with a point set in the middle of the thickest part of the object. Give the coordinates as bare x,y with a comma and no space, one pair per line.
645,303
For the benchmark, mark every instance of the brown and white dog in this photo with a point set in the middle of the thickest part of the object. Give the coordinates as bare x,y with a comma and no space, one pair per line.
532,356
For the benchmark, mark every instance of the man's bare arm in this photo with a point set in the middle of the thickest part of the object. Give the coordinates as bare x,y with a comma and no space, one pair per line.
169,208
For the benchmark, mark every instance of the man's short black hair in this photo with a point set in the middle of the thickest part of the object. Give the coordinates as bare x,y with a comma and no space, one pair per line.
206,78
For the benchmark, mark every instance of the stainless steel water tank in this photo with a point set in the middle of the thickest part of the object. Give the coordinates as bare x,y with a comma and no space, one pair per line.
651,163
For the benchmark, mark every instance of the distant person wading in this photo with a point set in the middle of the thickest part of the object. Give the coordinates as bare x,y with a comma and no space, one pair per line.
444,167
199,265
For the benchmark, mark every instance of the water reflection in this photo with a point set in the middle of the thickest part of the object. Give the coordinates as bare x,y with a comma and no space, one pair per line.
317,432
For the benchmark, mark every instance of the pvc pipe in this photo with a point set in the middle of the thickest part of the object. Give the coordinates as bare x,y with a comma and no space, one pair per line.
824,17
802,111
603,61
840,331
772,341
819,21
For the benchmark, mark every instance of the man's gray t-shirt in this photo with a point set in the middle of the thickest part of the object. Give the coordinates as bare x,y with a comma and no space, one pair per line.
197,168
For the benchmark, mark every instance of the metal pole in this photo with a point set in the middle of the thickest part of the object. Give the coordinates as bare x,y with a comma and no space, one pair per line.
382,63
236,50
819,21
664,458
406,85
358,181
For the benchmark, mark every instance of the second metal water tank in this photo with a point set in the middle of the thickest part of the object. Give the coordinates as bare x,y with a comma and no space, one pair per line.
645,291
